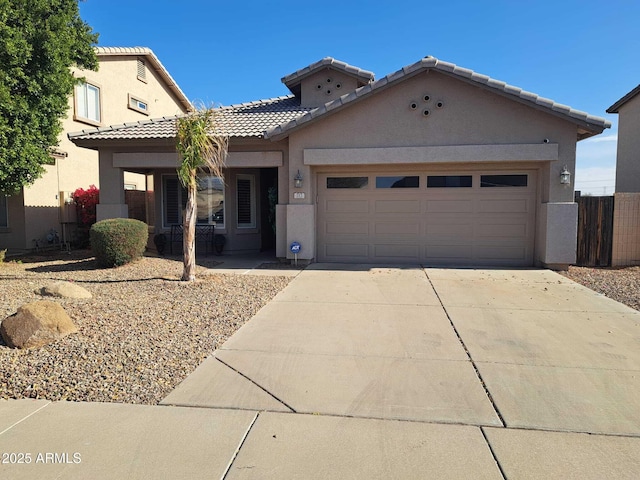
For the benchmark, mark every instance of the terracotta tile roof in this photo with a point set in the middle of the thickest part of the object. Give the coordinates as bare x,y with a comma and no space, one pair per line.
242,120
590,124
292,81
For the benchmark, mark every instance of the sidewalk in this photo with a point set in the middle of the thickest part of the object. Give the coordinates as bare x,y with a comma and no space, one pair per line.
363,372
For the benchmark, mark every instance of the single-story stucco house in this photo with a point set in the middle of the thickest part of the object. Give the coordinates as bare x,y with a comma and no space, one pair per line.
432,164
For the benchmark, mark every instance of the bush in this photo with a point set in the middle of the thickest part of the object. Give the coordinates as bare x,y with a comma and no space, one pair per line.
118,241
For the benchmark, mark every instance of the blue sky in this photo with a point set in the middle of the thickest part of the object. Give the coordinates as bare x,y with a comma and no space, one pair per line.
585,54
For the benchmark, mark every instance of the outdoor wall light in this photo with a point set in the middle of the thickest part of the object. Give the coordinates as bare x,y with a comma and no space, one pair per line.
297,180
565,176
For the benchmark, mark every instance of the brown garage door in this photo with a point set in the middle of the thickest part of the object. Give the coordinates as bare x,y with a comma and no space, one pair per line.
474,218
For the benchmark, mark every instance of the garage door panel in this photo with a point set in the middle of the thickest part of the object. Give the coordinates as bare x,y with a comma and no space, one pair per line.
347,206
397,206
397,251
436,226
494,252
503,206
448,252
397,228
492,230
449,206
347,251
347,228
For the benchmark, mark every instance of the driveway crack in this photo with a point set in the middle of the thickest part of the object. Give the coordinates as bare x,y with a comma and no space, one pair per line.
257,385
473,363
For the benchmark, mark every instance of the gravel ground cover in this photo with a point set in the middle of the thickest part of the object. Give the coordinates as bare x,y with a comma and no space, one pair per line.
620,284
140,335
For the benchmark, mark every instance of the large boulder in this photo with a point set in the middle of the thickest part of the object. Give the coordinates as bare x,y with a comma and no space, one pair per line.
36,324
65,290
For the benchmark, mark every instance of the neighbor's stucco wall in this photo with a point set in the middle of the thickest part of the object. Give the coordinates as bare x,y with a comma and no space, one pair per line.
628,156
469,116
13,236
117,78
626,230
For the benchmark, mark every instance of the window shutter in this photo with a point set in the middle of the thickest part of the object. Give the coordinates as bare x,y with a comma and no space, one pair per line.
243,186
171,201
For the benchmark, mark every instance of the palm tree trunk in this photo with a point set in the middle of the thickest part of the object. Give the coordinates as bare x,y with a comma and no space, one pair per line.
189,235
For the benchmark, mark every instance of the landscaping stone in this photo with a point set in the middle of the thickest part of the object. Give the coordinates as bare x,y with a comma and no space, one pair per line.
65,290
36,324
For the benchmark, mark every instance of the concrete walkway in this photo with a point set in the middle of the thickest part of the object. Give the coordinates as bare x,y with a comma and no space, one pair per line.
364,372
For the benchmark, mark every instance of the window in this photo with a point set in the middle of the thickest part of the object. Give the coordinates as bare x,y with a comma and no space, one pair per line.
209,198
142,70
449,181
4,212
88,103
398,182
347,182
503,181
246,201
138,105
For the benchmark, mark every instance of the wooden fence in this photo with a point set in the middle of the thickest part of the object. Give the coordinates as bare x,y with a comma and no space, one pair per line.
595,231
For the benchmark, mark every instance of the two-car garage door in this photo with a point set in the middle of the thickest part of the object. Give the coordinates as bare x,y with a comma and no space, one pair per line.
473,218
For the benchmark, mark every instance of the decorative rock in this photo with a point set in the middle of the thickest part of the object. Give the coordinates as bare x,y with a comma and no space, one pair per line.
36,324
65,290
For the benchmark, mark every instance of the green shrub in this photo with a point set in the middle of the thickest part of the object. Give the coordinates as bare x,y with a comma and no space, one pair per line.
118,241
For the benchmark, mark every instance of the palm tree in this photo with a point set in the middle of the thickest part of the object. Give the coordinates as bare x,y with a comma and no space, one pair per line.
201,146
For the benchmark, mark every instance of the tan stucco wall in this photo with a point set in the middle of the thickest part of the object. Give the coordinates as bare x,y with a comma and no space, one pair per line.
469,116
626,230
325,86
117,78
628,156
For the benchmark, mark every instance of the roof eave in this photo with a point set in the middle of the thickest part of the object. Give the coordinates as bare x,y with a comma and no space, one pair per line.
616,106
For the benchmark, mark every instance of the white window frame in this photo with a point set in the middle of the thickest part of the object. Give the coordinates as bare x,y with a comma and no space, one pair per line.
252,200
134,104
4,199
219,225
82,113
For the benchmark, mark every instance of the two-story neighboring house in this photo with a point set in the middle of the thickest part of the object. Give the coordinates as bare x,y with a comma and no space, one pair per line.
626,216
130,85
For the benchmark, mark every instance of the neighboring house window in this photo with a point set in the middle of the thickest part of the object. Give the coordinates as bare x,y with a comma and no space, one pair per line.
138,105
142,71
88,103
4,211
210,200
246,201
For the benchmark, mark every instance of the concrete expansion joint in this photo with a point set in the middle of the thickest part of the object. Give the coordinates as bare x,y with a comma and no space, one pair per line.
493,454
567,367
466,350
237,450
23,419
257,385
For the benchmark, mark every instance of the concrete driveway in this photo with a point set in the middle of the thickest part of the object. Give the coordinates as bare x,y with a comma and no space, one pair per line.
365,372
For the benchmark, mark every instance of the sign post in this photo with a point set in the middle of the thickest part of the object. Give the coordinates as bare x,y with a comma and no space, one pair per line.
295,248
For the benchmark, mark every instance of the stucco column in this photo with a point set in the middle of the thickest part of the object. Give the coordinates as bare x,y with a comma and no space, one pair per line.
560,232
301,223
112,203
